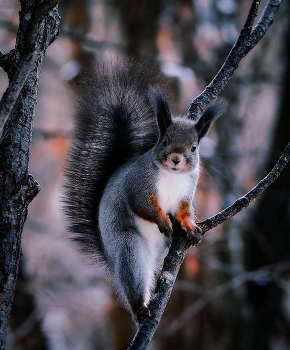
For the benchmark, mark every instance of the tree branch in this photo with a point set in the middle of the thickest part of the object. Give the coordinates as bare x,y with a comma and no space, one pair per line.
179,246
27,61
246,41
245,200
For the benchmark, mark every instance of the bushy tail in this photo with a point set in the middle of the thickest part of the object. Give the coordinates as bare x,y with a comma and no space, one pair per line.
114,122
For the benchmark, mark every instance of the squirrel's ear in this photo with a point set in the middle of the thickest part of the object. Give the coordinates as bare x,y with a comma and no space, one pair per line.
161,109
212,113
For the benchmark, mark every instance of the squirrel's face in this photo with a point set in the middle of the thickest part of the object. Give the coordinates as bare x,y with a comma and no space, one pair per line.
177,150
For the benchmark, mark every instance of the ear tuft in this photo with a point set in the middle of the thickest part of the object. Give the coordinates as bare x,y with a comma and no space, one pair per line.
212,113
161,109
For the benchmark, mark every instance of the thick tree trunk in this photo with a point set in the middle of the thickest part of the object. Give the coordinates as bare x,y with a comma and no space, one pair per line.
17,187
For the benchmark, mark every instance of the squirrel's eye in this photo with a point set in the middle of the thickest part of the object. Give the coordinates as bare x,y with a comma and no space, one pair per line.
164,143
193,148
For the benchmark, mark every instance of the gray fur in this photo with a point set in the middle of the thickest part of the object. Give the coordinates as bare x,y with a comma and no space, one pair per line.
131,165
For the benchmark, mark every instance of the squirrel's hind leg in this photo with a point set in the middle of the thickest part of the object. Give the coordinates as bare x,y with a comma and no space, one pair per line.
135,268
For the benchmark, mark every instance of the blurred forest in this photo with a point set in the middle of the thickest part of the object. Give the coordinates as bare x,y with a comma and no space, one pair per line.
233,291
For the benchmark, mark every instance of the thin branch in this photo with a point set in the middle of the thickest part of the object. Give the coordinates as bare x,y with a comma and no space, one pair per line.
246,41
236,282
245,200
264,22
251,18
27,61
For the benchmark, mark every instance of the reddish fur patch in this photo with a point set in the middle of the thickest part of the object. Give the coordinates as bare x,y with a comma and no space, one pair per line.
155,202
185,216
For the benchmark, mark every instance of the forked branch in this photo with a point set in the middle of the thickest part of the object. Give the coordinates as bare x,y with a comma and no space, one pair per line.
246,41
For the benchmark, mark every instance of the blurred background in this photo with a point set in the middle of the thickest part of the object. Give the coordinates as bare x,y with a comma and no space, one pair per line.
233,291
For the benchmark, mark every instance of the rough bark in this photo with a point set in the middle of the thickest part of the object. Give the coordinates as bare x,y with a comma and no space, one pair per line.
37,29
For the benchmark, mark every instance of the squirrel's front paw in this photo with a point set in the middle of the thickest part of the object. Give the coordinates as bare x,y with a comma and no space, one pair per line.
166,228
193,233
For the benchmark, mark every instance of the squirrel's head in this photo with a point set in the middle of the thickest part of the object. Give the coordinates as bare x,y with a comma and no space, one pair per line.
179,137
177,149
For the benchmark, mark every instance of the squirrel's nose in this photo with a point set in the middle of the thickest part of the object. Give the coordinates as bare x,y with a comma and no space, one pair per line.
176,158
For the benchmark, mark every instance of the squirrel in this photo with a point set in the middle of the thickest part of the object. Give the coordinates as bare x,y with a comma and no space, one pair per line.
132,170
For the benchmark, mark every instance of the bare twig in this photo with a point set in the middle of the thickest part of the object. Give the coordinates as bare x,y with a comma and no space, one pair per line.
246,41
245,200
27,61
236,282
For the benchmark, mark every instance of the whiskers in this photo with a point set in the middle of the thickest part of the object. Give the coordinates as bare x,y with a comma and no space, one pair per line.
214,173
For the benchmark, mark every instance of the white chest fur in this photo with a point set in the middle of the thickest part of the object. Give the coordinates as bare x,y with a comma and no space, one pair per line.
172,188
